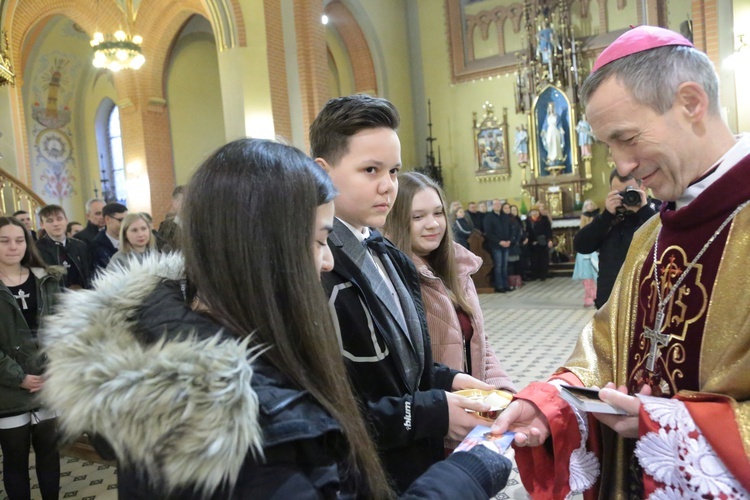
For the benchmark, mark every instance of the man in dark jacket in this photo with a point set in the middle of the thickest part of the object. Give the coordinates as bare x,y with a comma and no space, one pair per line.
59,250
612,230
477,217
107,242
95,221
497,239
375,298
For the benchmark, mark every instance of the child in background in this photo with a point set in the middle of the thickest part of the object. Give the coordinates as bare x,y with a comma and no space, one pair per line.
587,265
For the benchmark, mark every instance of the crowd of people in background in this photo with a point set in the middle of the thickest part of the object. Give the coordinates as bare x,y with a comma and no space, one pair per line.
519,245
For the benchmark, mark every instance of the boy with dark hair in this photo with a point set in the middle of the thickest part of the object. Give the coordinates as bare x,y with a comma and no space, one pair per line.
59,250
107,242
375,299
25,218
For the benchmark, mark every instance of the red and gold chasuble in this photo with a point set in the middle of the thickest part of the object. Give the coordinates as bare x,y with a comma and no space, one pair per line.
683,234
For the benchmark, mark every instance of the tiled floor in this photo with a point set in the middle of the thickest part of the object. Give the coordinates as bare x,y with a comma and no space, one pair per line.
532,331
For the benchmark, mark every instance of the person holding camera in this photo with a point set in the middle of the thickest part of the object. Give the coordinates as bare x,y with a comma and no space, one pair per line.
626,209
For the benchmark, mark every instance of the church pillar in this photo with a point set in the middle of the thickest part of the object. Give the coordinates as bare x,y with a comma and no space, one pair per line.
312,60
245,80
147,149
711,20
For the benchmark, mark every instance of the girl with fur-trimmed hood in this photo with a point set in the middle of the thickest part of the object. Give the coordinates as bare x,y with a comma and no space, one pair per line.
220,377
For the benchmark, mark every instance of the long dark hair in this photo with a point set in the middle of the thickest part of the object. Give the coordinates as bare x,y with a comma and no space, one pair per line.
31,257
248,217
442,260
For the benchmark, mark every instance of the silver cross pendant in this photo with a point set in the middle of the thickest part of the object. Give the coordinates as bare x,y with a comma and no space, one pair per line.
657,340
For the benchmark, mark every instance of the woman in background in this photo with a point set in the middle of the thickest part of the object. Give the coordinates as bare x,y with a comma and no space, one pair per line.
587,265
222,378
417,225
516,251
539,232
462,226
28,289
136,240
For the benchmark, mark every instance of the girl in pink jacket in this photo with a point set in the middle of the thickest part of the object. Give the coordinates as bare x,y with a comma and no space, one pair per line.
418,226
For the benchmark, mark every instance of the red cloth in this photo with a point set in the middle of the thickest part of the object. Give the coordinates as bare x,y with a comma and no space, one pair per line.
565,439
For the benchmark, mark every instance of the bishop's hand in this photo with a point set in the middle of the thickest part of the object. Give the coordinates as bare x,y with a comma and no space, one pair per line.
526,420
625,425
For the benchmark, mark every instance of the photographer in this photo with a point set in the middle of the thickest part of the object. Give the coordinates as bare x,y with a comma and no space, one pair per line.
611,231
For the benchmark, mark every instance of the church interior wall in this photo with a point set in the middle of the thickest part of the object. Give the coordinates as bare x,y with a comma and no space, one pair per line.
8,139
385,28
339,62
53,91
96,88
193,93
214,94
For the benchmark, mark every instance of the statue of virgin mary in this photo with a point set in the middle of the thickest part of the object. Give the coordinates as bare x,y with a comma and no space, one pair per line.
553,137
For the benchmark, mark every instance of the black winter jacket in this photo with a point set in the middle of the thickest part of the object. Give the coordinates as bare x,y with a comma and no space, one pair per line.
610,236
407,426
78,252
497,228
189,412
88,234
102,250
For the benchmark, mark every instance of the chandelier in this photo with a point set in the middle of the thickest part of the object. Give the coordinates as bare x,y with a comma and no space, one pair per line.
120,50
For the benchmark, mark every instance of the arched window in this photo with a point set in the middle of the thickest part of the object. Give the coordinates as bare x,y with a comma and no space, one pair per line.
116,156
109,146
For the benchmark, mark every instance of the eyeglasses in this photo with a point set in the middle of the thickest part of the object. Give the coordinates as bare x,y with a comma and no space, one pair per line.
118,220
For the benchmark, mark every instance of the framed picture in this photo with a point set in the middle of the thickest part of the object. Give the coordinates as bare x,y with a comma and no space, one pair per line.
552,115
491,145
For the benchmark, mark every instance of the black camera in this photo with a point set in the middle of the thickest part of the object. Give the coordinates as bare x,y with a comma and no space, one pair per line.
631,197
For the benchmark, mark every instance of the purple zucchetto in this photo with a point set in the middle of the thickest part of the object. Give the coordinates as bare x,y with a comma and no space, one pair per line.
638,40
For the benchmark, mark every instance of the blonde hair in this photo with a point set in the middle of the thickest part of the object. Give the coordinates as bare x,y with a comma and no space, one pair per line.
397,228
585,219
125,246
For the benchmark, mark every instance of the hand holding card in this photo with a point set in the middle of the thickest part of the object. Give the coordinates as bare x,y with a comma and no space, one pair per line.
482,435
586,399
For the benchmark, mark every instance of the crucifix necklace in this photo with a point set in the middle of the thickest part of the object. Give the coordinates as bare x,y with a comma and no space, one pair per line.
654,334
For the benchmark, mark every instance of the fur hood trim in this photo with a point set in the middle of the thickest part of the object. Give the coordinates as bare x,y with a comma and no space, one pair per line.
182,410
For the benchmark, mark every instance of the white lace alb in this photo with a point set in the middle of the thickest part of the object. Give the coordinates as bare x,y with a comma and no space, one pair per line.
678,455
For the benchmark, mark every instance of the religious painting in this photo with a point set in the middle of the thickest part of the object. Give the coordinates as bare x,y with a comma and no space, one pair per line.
491,144
555,142
51,128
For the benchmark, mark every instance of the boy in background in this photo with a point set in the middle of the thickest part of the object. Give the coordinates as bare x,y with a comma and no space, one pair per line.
59,250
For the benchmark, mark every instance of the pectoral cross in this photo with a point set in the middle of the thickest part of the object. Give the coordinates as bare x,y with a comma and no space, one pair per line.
23,296
657,340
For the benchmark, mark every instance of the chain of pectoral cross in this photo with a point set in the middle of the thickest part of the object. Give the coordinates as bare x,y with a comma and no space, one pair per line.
654,334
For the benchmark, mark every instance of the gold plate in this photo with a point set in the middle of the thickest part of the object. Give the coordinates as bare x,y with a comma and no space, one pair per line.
480,395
